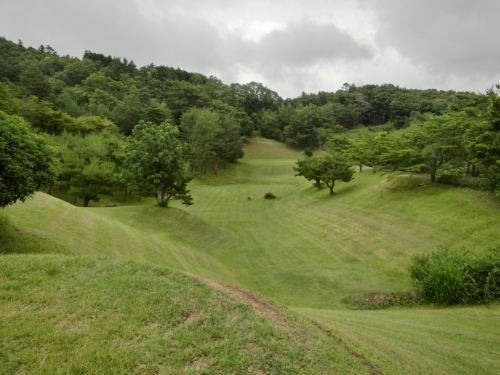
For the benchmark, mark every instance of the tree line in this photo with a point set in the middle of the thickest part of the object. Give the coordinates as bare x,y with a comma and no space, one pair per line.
89,106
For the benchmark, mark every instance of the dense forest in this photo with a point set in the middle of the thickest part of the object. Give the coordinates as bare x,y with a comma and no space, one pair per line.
102,114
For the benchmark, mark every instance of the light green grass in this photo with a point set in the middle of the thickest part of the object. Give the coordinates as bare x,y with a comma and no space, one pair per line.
305,249
75,315
459,340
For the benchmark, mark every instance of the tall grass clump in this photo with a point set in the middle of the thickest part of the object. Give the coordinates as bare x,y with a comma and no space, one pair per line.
459,277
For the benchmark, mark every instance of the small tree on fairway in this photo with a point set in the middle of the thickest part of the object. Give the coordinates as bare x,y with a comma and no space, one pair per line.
335,167
154,156
328,169
308,168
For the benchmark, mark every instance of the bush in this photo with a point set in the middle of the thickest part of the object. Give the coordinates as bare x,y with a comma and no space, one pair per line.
449,278
494,178
269,195
478,183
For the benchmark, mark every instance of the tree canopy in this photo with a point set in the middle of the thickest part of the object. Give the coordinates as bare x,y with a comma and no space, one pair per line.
154,157
27,161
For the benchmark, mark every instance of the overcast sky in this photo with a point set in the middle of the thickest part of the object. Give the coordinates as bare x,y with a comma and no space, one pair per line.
290,46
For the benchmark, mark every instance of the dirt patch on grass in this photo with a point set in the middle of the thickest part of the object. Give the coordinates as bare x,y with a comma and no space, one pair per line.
270,311
260,305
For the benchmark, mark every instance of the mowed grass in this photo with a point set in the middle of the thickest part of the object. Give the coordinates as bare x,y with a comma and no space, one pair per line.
307,250
459,340
80,315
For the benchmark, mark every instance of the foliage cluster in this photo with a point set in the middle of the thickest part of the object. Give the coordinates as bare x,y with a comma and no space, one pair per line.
478,183
463,142
269,195
458,277
419,131
27,161
328,169
154,159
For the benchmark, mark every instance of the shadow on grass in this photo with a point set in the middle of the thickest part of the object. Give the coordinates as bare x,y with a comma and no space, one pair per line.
16,241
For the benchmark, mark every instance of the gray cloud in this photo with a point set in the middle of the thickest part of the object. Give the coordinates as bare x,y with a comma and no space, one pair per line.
307,42
446,37
290,46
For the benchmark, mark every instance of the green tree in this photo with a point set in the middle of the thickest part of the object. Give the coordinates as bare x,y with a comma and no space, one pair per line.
35,83
94,124
27,161
39,114
154,157
309,168
202,127
77,71
439,141
88,169
8,101
130,111
228,145
335,167
303,125
328,169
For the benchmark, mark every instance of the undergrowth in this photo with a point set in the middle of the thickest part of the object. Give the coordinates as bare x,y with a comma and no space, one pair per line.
457,277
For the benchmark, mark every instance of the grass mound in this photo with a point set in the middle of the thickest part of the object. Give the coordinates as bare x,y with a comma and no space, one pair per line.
77,315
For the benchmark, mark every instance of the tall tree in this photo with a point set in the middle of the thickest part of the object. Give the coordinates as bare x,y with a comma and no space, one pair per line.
154,157
202,127
27,161
87,166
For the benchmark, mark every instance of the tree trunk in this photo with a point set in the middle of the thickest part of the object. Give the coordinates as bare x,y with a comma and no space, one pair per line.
468,169
318,182
331,187
126,191
74,201
361,167
433,177
216,164
162,196
49,190
86,201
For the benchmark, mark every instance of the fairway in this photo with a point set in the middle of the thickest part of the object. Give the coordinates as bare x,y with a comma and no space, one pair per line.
307,250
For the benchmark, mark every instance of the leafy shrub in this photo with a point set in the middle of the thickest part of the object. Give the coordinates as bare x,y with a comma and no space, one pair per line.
269,195
478,183
449,278
494,178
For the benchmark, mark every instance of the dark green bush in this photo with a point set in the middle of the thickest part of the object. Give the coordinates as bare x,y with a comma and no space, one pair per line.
478,183
494,178
448,278
269,195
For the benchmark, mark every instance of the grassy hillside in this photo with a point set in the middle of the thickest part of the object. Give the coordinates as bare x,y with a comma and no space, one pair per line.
76,315
305,250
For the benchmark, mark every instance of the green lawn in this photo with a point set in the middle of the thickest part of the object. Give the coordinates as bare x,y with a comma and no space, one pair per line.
305,250
79,315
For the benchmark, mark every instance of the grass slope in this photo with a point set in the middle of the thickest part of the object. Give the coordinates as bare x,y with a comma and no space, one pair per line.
76,315
306,250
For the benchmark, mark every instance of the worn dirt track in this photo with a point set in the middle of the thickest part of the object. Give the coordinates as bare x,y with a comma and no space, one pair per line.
268,310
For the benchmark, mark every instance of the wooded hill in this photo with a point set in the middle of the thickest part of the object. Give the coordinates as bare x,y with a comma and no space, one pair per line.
424,131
